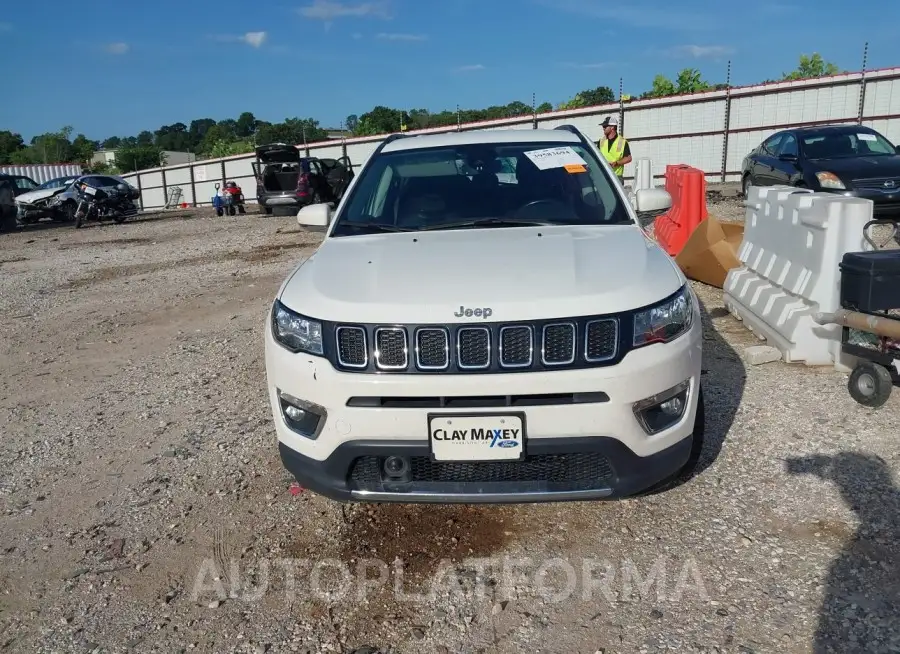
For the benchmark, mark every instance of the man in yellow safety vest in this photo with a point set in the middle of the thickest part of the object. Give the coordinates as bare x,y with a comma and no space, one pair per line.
614,147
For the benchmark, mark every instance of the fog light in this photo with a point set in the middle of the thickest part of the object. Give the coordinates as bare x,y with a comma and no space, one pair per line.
302,417
663,410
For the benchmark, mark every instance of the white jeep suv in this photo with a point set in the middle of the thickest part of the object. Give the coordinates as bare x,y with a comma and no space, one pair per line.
465,334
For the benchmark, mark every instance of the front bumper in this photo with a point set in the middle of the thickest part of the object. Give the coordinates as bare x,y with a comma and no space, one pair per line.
593,449
283,201
885,204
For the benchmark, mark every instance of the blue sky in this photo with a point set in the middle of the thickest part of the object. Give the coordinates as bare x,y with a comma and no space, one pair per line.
112,68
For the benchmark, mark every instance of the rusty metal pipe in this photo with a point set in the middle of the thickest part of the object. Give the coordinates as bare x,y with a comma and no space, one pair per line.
864,322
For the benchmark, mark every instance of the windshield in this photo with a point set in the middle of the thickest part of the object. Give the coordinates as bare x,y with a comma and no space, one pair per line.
57,183
496,184
846,144
25,183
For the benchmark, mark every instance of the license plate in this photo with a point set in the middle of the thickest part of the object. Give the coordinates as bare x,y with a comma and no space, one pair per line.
477,438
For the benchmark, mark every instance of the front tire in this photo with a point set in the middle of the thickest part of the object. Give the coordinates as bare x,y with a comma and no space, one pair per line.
870,384
745,186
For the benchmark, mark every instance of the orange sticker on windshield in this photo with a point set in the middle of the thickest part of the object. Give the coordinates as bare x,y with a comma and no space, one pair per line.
575,168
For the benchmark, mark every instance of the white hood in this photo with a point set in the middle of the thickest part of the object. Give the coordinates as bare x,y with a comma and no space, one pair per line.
40,194
519,273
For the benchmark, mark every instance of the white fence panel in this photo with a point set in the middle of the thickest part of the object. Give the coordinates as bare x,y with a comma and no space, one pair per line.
178,176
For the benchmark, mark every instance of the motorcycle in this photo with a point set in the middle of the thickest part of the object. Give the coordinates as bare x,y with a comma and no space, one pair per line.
110,203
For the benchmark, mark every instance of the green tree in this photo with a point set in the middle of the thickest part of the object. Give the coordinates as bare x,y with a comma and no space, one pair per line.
10,143
690,80
544,107
83,149
351,123
662,87
138,157
198,130
812,66
246,125
590,98
111,143
223,148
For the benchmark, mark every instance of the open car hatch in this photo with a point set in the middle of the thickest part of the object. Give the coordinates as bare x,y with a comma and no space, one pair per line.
278,153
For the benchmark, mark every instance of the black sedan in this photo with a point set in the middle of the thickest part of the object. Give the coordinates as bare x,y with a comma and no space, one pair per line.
849,160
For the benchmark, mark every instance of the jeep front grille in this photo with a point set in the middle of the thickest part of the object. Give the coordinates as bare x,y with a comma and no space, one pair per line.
472,348
351,347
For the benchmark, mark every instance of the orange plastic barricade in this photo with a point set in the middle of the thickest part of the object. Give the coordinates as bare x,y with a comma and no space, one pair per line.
687,186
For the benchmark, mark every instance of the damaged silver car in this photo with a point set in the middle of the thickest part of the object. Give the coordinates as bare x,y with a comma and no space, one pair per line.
58,198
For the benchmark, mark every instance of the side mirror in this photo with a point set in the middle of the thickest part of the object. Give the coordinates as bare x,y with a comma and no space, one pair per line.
314,215
652,199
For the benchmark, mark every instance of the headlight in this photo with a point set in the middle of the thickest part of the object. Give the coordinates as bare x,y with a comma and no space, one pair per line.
666,321
295,332
830,180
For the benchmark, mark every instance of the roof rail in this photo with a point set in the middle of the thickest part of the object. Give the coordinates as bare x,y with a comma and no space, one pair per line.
390,138
574,130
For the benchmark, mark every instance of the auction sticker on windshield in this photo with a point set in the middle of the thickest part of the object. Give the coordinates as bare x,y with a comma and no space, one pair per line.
477,438
866,137
562,157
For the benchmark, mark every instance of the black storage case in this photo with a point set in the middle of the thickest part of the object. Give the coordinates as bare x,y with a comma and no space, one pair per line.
870,281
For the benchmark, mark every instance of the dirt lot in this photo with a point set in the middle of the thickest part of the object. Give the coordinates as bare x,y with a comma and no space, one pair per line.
143,507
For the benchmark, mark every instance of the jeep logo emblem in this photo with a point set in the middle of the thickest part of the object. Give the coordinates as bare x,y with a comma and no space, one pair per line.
483,312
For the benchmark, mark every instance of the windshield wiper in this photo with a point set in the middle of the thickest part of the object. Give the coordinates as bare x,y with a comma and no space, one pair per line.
373,227
489,222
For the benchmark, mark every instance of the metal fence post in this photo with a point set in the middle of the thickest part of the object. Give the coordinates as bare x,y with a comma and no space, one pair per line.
621,108
862,85
140,190
193,186
162,172
223,172
727,123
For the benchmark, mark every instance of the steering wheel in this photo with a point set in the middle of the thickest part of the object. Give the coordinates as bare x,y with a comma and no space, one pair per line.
518,212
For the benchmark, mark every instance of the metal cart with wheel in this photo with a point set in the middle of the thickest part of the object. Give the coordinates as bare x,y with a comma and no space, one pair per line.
870,318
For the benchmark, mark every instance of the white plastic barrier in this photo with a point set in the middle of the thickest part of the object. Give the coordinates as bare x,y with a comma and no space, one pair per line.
793,243
643,175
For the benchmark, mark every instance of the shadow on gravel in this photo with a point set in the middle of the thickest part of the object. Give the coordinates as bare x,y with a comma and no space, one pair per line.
861,609
724,378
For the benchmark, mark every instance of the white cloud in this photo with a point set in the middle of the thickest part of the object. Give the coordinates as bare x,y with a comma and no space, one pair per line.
254,39
117,48
469,68
329,10
401,37
5,27
701,51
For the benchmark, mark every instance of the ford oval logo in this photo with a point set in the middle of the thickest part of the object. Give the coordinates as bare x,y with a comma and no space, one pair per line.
507,443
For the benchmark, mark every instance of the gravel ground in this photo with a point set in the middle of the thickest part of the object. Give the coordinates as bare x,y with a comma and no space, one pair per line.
143,506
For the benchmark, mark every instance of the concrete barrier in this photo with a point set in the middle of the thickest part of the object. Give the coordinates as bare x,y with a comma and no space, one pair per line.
793,242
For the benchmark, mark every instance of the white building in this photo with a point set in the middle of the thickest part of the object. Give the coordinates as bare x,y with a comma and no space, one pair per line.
170,157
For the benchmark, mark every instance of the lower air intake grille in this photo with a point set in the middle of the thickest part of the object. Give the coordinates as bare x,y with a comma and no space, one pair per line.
591,467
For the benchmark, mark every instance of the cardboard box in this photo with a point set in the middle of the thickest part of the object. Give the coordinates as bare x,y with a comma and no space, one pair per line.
711,251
